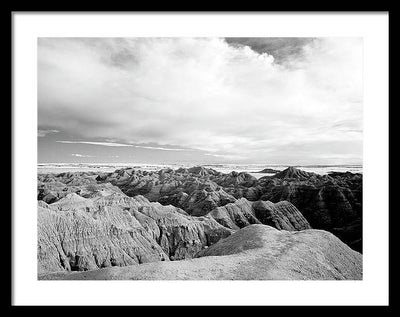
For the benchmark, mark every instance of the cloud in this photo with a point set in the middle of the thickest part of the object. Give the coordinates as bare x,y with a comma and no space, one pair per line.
94,143
114,144
284,50
205,94
43,133
161,148
81,155
227,156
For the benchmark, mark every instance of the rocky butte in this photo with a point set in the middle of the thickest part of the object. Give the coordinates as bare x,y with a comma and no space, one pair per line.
198,223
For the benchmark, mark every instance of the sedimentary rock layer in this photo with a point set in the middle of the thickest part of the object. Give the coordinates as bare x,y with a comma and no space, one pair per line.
255,252
77,233
94,220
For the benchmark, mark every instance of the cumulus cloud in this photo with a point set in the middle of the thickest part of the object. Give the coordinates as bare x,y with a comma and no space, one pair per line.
206,94
284,49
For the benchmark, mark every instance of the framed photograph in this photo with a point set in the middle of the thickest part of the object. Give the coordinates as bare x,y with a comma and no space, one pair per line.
225,158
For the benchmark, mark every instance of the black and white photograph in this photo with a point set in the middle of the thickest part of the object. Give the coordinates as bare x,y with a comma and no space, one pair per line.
200,158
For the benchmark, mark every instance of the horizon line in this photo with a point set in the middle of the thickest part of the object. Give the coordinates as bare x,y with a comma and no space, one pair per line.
141,163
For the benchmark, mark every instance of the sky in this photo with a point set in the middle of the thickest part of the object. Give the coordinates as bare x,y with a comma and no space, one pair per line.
294,101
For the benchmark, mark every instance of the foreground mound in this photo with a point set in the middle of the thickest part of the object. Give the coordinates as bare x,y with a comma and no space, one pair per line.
256,252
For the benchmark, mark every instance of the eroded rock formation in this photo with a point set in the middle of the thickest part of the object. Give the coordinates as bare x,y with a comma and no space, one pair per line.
328,202
93,220
256,252
77,233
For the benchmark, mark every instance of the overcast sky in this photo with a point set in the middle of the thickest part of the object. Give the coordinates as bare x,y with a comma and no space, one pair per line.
201,100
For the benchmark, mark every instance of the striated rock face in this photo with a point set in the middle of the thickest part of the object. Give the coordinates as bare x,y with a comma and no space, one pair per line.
52,188
292,172
189,189
179,235
331,202
351,233
255,252
235,215
79,234
235,179
282,215
325,206
79,240
199,201
327,202
250,193
224,226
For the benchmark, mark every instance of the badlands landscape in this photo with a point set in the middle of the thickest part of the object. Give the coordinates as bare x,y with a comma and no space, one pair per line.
199,224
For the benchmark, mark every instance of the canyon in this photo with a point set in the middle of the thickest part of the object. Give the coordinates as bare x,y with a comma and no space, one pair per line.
198,223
